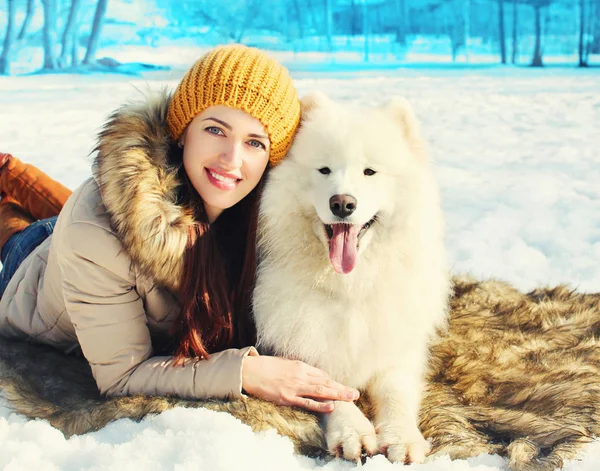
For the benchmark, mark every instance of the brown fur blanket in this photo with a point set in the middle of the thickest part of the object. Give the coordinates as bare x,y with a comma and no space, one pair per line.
515,374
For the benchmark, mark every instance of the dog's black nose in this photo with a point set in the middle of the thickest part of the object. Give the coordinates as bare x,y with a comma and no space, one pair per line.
342,205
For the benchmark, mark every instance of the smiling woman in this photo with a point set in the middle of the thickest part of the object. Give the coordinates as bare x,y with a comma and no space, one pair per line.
152,261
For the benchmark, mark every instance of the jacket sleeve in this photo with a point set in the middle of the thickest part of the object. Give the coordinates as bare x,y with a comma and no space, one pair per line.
110,323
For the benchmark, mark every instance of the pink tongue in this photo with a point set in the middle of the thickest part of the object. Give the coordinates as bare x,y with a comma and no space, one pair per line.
342,247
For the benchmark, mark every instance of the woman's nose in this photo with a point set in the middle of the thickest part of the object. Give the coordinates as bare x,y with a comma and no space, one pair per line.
232,155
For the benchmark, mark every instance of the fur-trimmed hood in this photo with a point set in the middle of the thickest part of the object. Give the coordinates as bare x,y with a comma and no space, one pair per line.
138,184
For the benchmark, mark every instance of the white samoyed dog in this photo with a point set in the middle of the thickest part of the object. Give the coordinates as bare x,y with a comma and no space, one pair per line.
352,275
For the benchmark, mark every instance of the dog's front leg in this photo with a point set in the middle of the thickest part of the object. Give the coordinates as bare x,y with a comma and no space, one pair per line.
396,397
348,432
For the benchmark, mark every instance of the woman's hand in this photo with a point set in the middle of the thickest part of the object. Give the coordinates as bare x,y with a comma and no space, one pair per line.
292,383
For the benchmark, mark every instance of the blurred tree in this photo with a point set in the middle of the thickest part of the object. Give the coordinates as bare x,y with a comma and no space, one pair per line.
299,11
90,55
515,23
69,41
537,5
328,15
28,17
501,31
467,25
457,26
401,22
582,34
50,13
593,28
355,23
365,15
445,17
309,5
8,39
594,43
232,19
589,30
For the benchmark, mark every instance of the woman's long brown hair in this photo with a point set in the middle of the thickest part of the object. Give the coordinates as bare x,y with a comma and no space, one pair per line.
219,271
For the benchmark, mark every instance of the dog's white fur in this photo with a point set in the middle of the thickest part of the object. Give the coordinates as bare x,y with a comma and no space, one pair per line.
369,328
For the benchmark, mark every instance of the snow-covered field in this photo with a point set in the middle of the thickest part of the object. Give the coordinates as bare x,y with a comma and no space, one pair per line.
517,154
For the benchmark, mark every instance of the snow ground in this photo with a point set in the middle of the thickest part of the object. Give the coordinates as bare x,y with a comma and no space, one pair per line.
517,154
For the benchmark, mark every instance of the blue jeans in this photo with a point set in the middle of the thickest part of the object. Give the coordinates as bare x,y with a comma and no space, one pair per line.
20,245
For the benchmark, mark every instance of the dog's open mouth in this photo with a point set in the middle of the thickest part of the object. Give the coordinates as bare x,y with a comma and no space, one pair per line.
343,244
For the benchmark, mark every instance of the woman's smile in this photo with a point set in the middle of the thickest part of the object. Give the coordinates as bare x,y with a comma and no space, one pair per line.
222,180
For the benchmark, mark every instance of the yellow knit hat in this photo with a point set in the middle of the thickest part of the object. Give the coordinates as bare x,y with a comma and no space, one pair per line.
244,78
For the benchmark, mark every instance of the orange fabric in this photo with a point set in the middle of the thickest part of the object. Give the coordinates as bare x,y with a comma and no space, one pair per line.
37,193
12,220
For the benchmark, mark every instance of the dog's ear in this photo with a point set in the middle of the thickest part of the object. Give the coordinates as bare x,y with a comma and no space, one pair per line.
399,108
313,101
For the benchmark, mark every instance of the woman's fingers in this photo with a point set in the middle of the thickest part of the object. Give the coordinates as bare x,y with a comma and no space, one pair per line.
322,386
313,371
319,386
331,391
293,382
312,405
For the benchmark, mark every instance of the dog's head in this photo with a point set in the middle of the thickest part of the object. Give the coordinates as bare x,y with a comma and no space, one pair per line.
352,170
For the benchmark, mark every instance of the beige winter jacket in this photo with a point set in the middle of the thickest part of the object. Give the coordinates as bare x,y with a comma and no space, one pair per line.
105,279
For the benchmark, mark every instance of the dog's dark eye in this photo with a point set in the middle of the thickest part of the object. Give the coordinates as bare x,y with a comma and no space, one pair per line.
325,170
369,171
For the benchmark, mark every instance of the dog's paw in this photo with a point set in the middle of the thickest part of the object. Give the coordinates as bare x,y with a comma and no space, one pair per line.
349,443
349,434
403,447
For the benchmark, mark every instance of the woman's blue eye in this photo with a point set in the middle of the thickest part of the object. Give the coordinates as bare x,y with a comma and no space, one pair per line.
214,130
257,144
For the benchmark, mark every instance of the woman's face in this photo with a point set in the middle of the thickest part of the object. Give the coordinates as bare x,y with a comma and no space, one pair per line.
225,153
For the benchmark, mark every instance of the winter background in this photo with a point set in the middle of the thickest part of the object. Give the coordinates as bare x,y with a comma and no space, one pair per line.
516,151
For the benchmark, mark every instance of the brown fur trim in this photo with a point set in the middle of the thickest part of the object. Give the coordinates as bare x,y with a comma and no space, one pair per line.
514,374
139,185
